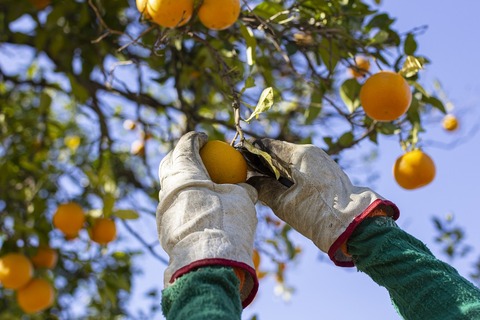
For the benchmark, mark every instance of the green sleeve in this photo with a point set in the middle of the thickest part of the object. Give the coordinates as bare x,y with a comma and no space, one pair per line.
207,293
420,286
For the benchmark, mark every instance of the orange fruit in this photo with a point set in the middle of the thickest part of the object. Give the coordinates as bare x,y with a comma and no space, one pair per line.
36,296
256,259
129,124
450,122
170,13
45,257
15,270
240,273
361,68
414,169
40,4
143,9
385,96
223,162
219,14
103,231
303,39
69,218
138,148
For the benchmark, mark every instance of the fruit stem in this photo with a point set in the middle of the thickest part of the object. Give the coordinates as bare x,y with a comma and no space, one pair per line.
239,133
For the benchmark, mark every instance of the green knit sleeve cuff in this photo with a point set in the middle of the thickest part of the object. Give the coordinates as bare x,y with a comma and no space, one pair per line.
206,293
420,285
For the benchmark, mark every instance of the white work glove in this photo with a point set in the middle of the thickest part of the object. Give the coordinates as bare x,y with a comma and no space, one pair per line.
201,223
322,204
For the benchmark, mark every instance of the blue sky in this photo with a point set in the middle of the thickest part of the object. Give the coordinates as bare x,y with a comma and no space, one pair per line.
323,291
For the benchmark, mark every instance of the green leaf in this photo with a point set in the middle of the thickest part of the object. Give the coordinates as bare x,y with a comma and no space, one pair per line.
373,137
264,104
251,43
387,128
250,82
346,139
411,66
108,204
45,102
315,107
270,10
32,70
329,53
126,214
410,45
106,177
380,21
419,88
78,90
328,141
380,37
436,103
95,213
264,155
349,92
413,114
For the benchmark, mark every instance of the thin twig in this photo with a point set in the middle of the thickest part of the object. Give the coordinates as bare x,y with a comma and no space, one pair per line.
143,242
136,39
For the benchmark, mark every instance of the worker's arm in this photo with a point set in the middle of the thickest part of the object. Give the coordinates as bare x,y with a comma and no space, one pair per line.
207,293
202,224
420,285
355,226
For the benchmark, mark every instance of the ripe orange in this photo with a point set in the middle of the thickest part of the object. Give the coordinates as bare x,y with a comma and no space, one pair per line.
138,148
414,169
103,231
45,257
129,125
450,122
40,4
69,219
36,296
170,13
15,270
256,259
303,39
223,162
143,9
362,66
240,273
219,14
385,96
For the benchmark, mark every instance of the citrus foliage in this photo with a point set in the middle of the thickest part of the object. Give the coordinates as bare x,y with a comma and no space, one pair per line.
95,93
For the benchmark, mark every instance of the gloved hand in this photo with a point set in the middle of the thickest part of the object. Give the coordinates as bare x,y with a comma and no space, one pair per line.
322,204
201,223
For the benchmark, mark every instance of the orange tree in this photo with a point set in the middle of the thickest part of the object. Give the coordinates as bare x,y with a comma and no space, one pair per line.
93,94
